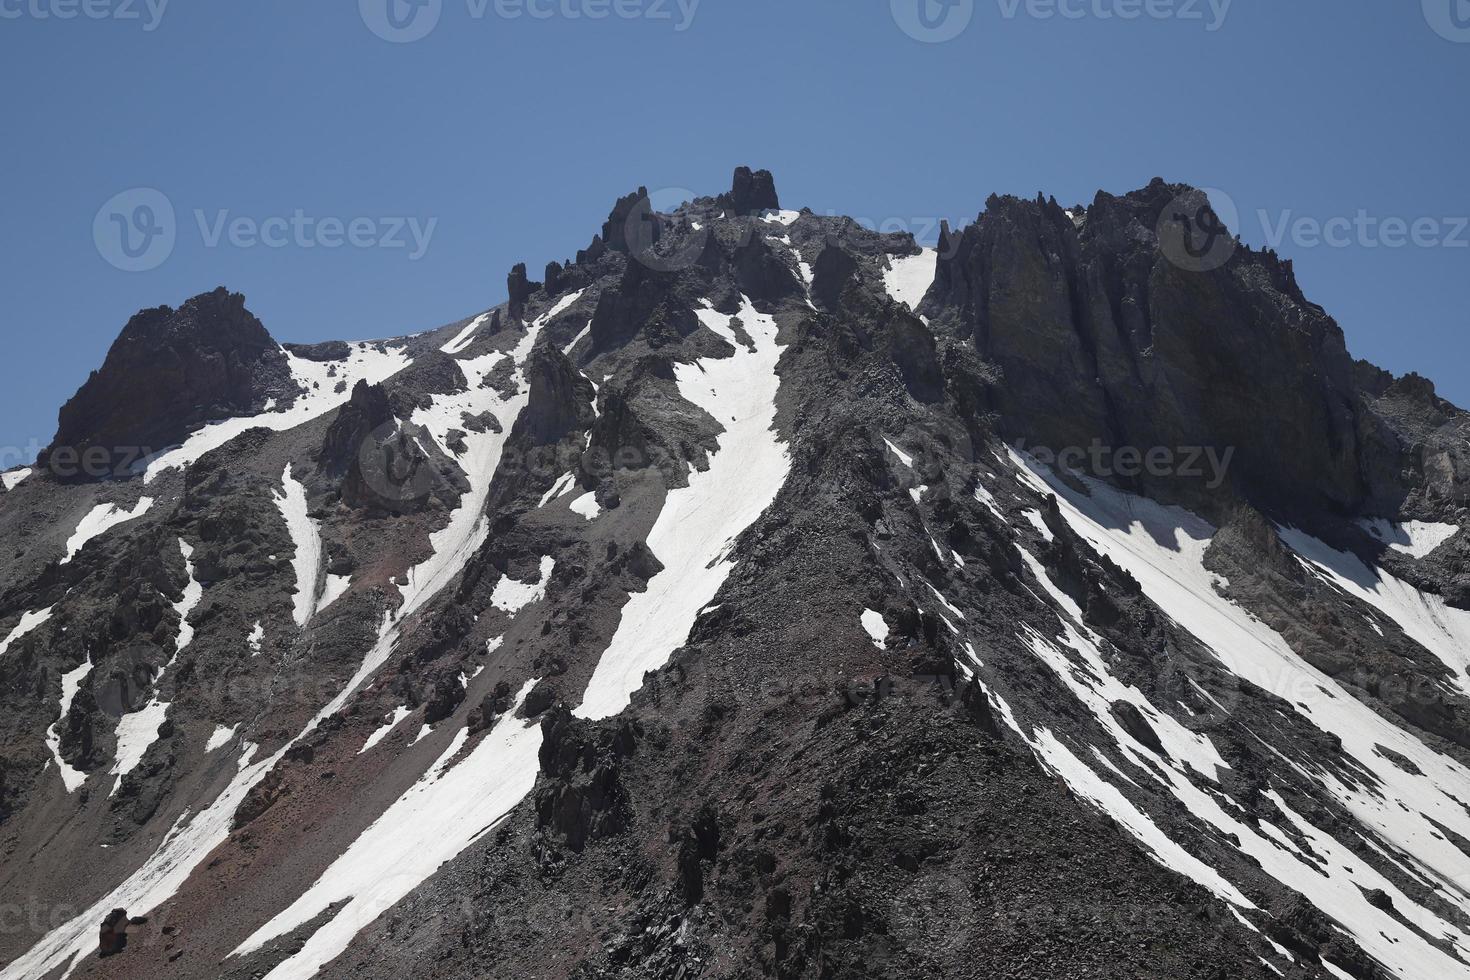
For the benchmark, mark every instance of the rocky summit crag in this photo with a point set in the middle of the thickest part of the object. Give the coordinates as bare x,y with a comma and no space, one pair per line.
755,595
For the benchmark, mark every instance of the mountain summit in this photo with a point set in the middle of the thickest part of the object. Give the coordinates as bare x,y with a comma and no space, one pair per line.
756,595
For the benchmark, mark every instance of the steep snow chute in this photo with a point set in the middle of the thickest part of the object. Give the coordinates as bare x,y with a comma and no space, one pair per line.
696,531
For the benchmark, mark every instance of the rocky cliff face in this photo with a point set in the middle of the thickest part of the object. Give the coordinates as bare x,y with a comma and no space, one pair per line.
694,613
168,372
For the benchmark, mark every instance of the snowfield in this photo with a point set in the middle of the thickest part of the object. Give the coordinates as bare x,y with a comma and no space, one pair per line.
909,277
1398,812
697,528
448,809
100,520
29,622
307,537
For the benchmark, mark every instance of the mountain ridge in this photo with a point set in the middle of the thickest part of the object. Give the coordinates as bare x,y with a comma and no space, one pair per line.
694,612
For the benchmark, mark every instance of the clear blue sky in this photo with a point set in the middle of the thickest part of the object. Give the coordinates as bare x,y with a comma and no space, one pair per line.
516,133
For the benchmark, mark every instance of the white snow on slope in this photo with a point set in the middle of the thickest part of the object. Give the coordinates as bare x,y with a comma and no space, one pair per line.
29,622
220,737
561,486
466,336
382,732
513,596
780,217
192,837
577,339
307,537
334,588
1424,617
256,639
909,277
1085,782
189,601
365,363
587,506
446,811
1163,548
139,730
71,683
197,834
903,457
697,528
14,478
876,626
1416,538
100,520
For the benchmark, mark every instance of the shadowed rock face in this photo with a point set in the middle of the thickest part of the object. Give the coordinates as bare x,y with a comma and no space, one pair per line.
753,192
168,372
1100,335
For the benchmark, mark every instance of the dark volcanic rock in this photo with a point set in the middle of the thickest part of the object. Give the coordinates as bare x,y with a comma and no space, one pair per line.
113,935
1101,338
753,192
168,372
520,289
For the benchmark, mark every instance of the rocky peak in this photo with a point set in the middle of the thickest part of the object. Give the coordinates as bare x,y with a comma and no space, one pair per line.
169,371
752,192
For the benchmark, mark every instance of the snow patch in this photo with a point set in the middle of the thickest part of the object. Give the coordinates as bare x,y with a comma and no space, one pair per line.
220,737
29,622
14,478
561,486
100,520
909,277
137,731
1418,539
306,535
1424,617
697,528
325,391
587,506
512,596
381,733
334,588
71,683
466,336
876,626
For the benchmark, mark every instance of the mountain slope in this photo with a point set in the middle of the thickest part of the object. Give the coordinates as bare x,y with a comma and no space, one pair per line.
757,595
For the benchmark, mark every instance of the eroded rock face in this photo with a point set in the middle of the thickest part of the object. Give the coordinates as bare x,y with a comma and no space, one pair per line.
168,372
1102,339
753,192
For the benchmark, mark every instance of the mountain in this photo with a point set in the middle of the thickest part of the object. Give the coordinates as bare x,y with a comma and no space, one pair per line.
755,595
